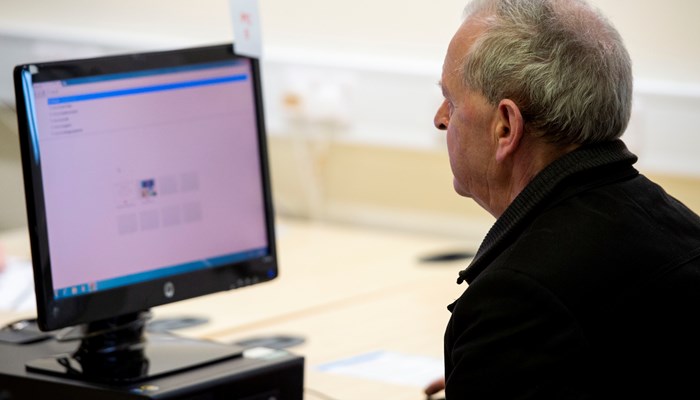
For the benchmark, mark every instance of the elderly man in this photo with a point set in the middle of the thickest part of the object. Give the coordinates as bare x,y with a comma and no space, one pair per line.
588,283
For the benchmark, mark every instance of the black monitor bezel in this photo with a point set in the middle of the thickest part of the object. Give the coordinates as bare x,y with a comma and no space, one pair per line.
69,311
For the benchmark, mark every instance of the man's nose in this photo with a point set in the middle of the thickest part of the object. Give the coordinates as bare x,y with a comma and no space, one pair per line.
441,118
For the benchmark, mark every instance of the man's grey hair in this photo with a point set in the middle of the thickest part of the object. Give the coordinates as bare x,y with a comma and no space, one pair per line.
561,61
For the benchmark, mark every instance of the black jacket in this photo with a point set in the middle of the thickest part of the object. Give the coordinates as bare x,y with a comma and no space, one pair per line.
588,286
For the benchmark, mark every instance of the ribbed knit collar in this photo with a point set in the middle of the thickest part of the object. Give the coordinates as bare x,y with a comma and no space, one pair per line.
537,191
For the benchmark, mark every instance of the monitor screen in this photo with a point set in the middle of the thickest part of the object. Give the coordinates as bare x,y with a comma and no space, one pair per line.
146,180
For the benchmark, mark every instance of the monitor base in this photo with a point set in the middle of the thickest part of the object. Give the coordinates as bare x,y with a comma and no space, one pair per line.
162,354
120,350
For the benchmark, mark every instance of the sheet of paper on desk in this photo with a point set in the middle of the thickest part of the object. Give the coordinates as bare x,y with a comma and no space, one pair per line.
17,286
390,367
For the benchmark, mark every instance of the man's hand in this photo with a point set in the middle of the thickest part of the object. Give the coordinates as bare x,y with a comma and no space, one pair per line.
434,387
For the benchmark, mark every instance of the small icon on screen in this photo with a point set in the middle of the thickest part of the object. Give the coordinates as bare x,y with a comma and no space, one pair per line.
148,188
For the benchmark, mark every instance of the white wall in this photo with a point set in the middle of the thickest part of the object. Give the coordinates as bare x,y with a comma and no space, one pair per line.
662,37
366,70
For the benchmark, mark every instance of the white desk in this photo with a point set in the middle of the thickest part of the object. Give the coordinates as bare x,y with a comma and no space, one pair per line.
348,291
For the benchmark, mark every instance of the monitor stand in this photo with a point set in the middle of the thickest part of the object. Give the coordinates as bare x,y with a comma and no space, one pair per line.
120,350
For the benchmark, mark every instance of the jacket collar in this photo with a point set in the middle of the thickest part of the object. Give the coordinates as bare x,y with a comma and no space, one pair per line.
540,189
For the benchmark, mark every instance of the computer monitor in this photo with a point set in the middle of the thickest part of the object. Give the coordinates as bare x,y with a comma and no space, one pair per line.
146,183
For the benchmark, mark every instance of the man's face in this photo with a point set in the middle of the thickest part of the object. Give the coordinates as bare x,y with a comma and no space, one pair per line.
469,121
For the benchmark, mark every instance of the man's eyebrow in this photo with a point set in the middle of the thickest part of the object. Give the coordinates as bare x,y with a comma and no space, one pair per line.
442,88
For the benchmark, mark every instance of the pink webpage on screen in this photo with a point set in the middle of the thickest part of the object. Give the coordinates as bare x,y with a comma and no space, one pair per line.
150,171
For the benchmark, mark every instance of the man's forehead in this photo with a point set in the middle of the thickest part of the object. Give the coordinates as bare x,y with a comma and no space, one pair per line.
467,33
460,44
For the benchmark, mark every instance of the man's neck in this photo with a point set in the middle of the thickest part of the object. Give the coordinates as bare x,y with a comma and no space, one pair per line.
532,157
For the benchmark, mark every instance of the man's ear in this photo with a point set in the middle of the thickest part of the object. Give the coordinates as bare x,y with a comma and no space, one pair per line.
509,129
